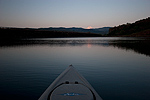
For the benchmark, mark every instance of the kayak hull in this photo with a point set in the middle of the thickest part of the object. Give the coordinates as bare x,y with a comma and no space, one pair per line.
70,85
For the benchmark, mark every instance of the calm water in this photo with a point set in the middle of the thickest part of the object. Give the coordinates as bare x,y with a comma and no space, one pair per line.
118,68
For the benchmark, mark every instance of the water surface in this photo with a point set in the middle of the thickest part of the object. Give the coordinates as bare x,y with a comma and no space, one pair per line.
118,68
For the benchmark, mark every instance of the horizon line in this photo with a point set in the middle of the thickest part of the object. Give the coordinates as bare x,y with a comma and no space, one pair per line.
49,27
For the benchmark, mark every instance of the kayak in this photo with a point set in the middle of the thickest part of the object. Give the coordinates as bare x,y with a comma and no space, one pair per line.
70,85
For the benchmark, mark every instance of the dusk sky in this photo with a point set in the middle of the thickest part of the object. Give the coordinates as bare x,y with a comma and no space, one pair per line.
71,13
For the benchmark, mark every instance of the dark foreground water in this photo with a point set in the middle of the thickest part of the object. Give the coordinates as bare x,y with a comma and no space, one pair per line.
118,68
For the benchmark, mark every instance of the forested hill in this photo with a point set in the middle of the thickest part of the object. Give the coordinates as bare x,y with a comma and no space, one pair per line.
21,33
140,28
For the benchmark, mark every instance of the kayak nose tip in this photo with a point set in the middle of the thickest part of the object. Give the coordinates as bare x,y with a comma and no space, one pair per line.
71,65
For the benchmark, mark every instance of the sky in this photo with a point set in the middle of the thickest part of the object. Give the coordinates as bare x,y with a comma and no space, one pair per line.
71,13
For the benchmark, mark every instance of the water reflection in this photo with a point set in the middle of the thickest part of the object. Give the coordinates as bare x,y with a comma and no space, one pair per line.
138,45
89,45
27,67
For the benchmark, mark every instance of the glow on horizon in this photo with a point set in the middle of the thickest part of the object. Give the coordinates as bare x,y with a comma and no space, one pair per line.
71,13
89,27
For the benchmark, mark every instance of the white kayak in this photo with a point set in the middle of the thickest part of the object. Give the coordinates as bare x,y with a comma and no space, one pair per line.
70,85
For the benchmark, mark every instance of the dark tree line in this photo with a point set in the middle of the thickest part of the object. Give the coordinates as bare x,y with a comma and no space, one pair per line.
22,33
139,28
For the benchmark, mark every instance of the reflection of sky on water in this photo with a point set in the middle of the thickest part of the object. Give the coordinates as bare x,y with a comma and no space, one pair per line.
139,45
115,70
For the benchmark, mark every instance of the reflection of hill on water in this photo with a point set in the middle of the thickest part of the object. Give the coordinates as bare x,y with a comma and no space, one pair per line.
56,42
139,46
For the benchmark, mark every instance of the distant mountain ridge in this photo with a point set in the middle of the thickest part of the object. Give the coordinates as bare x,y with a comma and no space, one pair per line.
24,33
140,28
102,31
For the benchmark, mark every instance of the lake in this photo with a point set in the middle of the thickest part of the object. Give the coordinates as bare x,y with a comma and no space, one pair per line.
118,68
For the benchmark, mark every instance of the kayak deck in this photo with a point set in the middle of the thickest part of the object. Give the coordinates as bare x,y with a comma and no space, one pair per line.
70,85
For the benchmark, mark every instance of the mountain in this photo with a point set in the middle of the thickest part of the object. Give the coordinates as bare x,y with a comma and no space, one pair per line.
24,33
102,31
140,28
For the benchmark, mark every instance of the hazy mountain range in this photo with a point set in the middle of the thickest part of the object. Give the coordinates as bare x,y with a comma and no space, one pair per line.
102,31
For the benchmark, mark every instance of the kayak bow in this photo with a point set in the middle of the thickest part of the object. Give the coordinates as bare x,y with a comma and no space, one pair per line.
70,85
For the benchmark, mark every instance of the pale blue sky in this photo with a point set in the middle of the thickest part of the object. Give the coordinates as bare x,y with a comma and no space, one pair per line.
71,13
